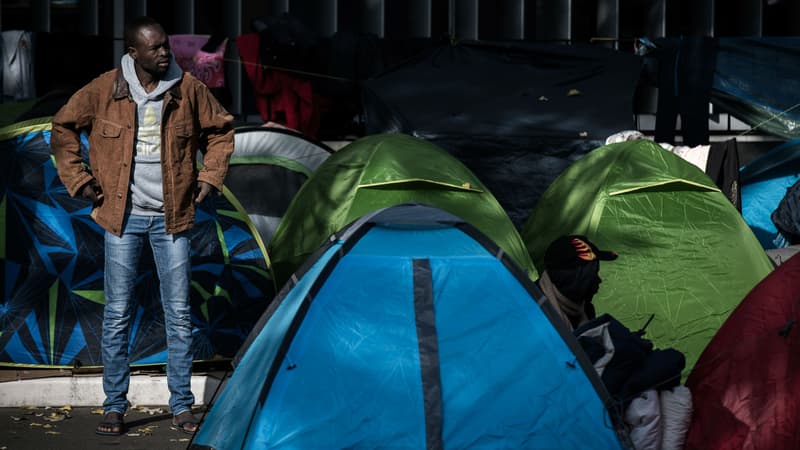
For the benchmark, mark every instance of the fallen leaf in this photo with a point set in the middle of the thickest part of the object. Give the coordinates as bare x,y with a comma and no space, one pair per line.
543,98
56,417
584,134
66,408
150,411
36,424
573,92
52,432
16,419
148,430
134,434
98,411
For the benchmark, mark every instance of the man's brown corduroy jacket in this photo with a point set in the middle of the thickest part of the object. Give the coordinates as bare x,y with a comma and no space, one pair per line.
192,118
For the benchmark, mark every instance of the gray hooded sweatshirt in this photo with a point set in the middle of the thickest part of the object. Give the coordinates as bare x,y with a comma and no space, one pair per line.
147,193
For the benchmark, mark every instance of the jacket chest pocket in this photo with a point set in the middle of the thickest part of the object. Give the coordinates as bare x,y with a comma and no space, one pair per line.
182,134
109,130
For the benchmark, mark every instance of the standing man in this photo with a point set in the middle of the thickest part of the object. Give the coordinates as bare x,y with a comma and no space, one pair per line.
145,122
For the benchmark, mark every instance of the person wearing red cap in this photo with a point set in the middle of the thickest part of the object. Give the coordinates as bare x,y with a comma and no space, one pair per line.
628,364
571,278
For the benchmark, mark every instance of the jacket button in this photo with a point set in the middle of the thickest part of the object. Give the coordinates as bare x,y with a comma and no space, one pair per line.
119,195
124,164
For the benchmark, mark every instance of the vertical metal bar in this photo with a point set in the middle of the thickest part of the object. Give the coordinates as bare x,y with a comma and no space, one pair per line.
655,21
513,19
90,17
278,7
321,16
466,19
706,15
330,10
750,18
372,17
608,20
135,8
185,16
40,10
232,26
118,30
553,20
451,18
420,18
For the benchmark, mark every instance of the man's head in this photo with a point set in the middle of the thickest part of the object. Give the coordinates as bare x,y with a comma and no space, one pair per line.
573,264
147,43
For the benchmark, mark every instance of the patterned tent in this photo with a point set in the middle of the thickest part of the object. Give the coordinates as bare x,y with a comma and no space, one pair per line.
51,269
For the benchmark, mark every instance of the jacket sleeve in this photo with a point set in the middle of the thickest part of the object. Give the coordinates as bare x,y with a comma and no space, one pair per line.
217,137
77,114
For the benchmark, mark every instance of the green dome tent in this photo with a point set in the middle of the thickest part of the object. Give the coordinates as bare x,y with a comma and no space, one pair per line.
379,171
686,255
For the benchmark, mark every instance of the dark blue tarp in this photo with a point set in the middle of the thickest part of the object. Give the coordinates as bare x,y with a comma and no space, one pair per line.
756,80
517,114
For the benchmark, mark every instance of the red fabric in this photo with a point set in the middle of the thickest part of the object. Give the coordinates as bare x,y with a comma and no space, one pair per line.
746,382
280,96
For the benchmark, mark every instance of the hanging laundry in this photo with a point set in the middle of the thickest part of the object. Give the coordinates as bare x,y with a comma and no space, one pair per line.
281,96
18,80
193,56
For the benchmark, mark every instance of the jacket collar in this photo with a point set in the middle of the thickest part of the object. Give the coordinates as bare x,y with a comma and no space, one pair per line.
122,90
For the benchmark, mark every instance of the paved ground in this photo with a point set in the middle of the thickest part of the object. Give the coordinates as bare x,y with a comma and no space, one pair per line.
32,428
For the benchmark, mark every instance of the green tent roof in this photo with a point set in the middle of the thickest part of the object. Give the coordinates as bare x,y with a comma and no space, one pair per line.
379,171
686,255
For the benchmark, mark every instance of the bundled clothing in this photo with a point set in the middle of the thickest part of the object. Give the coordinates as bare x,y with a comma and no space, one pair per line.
786,216
626,362
642,379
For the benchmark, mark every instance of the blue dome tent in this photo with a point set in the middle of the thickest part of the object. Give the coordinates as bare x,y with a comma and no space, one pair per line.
410,328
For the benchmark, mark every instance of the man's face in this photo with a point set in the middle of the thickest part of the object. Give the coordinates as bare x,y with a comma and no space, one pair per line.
595,285
152,52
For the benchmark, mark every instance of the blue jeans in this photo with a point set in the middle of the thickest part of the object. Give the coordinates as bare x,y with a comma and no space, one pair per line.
173,265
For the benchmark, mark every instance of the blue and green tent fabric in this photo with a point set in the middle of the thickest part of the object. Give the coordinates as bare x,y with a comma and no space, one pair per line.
383,170
409,328
51,258
686,256
764,182
267,168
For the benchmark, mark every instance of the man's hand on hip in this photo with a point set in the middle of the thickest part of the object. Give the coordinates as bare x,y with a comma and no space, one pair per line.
203,190
92,191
